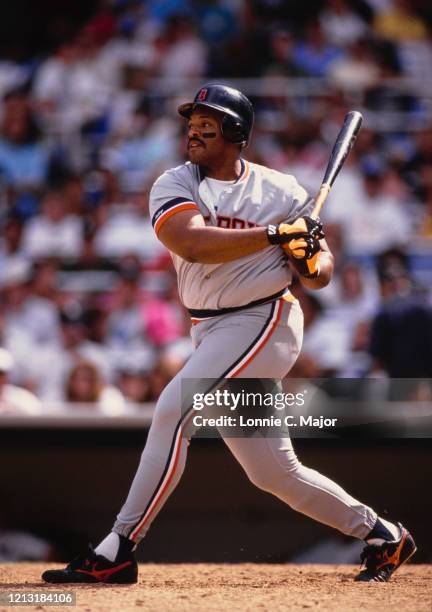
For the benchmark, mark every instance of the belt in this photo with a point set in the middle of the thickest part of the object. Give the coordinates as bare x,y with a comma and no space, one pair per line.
204,314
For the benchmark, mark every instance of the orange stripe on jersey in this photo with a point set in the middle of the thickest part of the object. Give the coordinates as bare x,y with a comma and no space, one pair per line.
168,478
172,211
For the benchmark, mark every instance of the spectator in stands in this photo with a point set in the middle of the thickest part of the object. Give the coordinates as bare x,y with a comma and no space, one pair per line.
51,88
45,279
73,192
369,217
24,158
340,24
92,347
353,302
134,379
357,69
326,341
89,259
13,75
165,320
54,362
149,144
126,325
401,335
41,309
85,386
27,319
313,55
389,98
13,399
55,232
400,22
101,189
129,229
185,54
73,86
217,23
281,53
421,155
11,241
354,296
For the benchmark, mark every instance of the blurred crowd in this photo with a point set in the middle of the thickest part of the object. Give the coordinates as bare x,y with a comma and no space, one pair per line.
89,311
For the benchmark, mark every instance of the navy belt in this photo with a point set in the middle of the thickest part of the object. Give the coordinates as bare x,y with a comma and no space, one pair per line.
203,314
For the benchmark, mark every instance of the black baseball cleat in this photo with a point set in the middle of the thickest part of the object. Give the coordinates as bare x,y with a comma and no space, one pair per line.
90,567
384,559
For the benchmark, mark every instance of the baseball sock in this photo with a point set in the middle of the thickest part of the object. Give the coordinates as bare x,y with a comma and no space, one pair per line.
383,531
114,546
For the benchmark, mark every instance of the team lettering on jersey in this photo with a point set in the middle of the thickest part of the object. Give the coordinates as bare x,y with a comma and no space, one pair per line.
259,198
232,222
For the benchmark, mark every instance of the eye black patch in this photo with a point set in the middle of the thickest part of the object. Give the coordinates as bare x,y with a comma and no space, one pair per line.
208,134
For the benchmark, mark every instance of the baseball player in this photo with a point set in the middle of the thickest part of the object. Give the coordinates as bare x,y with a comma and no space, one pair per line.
235,230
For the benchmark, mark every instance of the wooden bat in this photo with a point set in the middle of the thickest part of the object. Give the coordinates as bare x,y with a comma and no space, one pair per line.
343,145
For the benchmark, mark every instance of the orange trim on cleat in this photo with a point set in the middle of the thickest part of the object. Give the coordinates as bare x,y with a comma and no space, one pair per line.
383,560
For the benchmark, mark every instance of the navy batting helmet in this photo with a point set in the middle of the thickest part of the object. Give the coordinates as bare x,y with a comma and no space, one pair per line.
237,111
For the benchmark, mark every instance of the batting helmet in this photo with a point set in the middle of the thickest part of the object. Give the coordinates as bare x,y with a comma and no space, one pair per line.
237,111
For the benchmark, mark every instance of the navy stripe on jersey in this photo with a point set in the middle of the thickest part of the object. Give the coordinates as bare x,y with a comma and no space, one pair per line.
242,170
167,206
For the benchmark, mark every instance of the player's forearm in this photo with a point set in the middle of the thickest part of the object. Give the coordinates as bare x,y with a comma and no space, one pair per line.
212,245
326,267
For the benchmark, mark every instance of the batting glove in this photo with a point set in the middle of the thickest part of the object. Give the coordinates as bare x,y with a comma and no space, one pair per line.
285,232
304,254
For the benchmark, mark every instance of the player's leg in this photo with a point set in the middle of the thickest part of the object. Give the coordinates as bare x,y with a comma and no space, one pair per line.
160,469
161,466
222,348
272,465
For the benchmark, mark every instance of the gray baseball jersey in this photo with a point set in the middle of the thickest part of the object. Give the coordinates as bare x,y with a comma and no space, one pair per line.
258,197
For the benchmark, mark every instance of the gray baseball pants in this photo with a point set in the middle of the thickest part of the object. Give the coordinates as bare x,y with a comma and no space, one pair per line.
260,342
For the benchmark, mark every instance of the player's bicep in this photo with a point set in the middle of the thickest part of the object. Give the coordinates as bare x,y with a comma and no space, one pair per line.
177,233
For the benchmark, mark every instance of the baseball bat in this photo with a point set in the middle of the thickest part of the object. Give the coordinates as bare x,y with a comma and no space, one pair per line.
343,145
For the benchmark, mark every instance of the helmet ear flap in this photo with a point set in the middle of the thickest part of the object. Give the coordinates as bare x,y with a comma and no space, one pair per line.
232,130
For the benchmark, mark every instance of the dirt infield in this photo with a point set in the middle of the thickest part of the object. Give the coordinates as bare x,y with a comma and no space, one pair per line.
205,587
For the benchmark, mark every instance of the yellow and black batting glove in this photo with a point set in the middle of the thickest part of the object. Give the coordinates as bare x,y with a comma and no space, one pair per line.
285,232
304,255
300,241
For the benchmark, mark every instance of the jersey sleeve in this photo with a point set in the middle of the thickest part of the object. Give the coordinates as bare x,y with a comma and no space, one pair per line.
301,202
169,196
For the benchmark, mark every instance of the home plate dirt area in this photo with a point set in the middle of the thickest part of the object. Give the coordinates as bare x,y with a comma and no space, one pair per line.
234,587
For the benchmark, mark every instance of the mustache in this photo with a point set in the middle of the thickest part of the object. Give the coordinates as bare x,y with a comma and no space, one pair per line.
191,140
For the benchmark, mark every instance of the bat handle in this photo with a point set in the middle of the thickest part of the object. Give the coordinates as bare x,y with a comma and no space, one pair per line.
320,199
